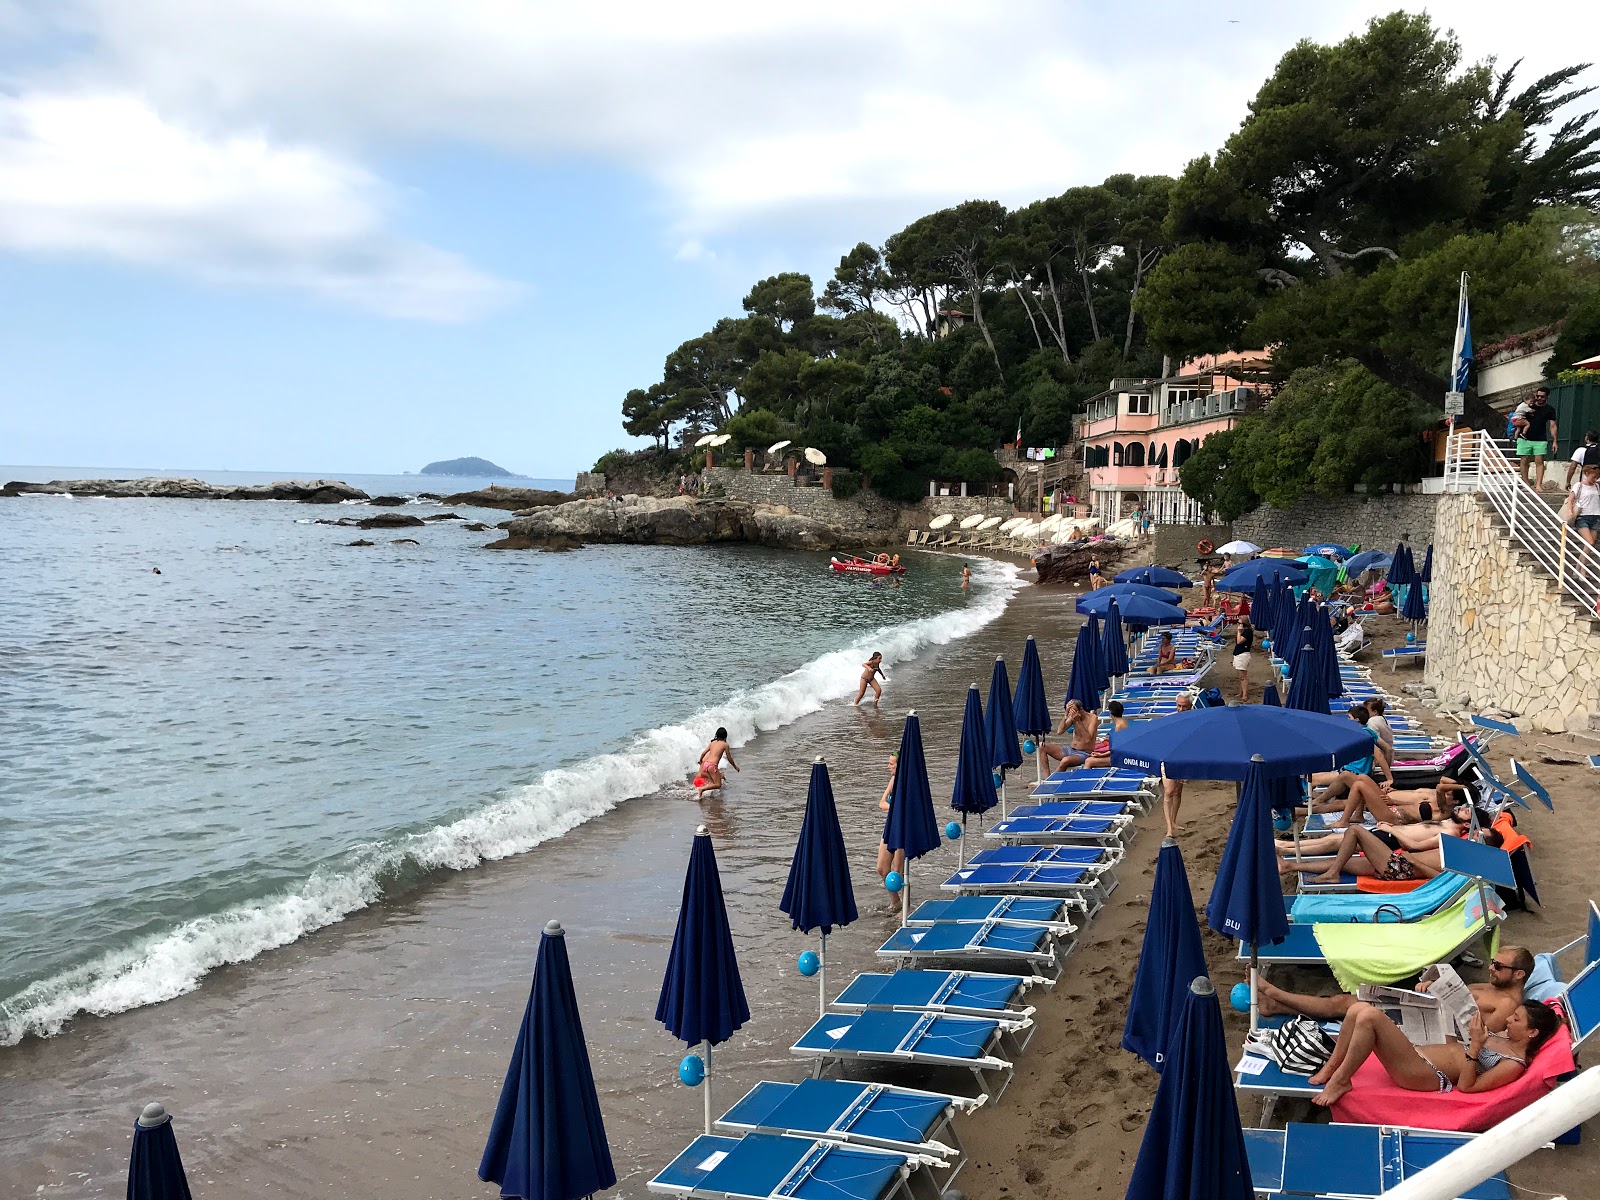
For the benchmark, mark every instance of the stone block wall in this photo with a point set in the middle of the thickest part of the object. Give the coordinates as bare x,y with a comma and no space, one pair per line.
864,510
1179,545
1376,522
589,483
1498,630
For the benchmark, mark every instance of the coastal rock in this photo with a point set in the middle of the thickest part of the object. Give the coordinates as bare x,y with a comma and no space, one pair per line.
675,521
389,521
360,542
346,522
445,517
388,501
475,526
511,499
405,542
314,491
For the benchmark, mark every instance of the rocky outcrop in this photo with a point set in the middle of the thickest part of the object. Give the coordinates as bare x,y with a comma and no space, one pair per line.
445,517
389,521
359,542
314,491
388,501
675,521
509,498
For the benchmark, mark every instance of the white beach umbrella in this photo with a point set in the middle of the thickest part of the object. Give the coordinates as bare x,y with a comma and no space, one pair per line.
722,439
1239,548
705,440
1011,523
990,523
1026,530
972,522
816,457
776,446
941,521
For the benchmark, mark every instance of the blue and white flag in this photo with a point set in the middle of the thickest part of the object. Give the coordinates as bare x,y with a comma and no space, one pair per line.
1461,359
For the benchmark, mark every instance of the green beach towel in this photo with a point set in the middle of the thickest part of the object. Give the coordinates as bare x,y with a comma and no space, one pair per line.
1360,954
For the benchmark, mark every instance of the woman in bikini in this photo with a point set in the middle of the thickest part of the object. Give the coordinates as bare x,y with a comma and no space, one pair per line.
1166,656
711,762
870,671
1487,1061
897,861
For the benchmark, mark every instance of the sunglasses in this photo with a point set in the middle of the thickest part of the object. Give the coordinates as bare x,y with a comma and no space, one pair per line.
1496,965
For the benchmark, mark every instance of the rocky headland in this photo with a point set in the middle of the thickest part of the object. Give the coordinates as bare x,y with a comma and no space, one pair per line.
313,491
675,521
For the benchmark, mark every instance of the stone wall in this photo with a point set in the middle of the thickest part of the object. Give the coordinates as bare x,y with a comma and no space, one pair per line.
1375,522
589,483
1499,633
864,510
1176,545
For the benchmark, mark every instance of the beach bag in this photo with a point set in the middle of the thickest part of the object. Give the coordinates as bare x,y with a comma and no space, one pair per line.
1300,1046
1211,698
1569,511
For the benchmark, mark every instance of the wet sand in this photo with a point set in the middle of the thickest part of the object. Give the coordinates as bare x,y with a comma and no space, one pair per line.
365,1060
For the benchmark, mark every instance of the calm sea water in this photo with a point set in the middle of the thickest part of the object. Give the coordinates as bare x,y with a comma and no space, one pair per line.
280,729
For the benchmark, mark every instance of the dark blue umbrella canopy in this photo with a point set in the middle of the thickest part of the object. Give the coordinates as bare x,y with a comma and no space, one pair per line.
974,787
1261,605
702,997
1283,625
1161,577
1367,560
1329,550
911,825
155,1171
1217,743
1030,707
818,894
1269,696
1102,677
1081,684
1101,595
1193,1142
1001,722
1401,570
1247,899
1307,690
1325,659
547,1141
1113,643
1426,574
1137,612
1171,957
1243,577
1415,608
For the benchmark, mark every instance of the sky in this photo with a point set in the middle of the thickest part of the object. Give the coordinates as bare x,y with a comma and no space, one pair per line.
360,235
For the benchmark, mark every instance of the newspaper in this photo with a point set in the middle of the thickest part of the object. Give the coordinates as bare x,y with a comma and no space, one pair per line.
1429,1017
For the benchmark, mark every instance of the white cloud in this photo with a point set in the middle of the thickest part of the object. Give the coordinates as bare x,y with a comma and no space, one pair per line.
102,174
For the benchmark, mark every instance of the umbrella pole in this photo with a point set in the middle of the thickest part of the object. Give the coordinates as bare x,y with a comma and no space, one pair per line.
822,977
961,846
1255,1002
905,893
705,1049
1003,795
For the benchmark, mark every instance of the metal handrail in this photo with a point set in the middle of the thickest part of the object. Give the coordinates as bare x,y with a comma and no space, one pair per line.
1474,463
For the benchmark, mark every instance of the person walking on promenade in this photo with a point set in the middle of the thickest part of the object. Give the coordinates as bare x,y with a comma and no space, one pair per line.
1536,437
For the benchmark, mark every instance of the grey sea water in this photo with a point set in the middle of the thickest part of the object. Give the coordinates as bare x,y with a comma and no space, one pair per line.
280,729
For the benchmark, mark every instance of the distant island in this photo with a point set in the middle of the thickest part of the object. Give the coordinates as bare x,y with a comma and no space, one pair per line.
468,466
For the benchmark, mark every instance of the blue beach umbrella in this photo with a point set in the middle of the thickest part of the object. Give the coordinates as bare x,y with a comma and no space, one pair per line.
1161,577
1261,606
1327,655
1426,574
1415,609
1247,898
1136,611
547,1140
1329,550
818,894
1081,683
1102,677
155,1170
1218,743
1193,1142
1001,725
911,825
1171,956
702,998
1367,560
1269,696
1401,570
1242,578
1102,595
1113,643
1029,706
974,787
1307,690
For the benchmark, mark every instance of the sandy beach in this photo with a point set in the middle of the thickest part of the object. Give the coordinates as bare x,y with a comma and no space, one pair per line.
365,1060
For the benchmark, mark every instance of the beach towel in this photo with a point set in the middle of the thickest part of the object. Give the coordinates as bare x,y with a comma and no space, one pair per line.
1360,954
1413,906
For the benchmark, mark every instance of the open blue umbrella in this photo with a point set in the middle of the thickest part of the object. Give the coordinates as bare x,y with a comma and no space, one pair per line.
547,1140
1172,955
1001,724
1161,577
1218,743
702,997
1401,570
1331,550
155,1171
1426,574
1113,643
1247,898
1030,707
1367,560
973,791
818,894
1136,611
1081,683
911,826
1269,696
1193,1142
1102,677
1102,595
1242,578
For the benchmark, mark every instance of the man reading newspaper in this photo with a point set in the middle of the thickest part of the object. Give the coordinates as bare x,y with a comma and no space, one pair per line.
1442,1006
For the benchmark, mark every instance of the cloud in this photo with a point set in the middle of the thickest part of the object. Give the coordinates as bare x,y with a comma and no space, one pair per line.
101,174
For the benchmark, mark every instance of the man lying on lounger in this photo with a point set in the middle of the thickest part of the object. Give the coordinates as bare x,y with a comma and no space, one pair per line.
1412,835
1383,856
1375,761
1508,972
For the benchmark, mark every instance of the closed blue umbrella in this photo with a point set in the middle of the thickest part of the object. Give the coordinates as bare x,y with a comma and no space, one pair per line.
1401,570
1415,609
1242,578
911,825
1247,898
1162,577
1193,1142
1081,683
1327,660
1102,677
1307,690
547,1141
974,786
1171,956
1137,612
1283,630
1426,574
1269,696
1217,743
1001,725
818,894
1102,595
1029,706
155,1170
702,997
1113,643
1261,606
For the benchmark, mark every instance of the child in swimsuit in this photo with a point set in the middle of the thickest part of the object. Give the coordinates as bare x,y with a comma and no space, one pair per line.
711,762
870,671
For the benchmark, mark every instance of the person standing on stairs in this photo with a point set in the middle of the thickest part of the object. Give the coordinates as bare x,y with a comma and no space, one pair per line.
1536,437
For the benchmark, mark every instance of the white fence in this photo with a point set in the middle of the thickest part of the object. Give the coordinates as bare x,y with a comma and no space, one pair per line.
1475,463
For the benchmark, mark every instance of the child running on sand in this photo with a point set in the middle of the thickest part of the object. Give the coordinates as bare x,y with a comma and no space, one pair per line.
871,670
711,762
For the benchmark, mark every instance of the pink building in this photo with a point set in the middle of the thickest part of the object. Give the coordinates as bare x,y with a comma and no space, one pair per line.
1135,435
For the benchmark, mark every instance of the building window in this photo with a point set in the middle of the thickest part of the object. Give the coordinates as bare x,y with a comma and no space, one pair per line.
1116,454
1134,457
1139,404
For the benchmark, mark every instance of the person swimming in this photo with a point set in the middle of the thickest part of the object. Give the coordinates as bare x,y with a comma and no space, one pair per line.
711,762
871,670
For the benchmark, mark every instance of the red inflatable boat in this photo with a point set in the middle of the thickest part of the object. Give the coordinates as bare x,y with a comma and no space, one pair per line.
866,566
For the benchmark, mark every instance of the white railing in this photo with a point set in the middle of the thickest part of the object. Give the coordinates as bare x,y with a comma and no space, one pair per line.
1474,463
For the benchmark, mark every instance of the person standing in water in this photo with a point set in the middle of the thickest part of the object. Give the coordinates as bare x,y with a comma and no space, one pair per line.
711,762
966,577
871,671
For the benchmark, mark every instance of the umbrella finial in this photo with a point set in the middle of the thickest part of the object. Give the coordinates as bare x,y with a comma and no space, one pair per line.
1202,986
1257,758
155,1113
911,712
552,928
1168,841
701,831
817,759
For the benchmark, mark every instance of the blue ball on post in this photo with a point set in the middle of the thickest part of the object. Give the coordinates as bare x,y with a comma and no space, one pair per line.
1029,746
999,779
893,881
692,1070
952,830
1239,997
808,963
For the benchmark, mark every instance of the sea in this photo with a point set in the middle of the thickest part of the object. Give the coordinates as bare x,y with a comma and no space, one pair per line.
223,728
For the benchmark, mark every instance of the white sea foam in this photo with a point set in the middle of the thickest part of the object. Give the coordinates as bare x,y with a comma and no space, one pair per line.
173,962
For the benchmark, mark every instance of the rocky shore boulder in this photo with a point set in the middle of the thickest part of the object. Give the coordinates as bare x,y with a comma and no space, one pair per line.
509,498
314,491
389,521
388,501
674,521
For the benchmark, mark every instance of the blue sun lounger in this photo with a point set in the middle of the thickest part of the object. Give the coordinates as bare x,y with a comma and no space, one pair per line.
1083,783
949,993
1377,908
986,943
759,1166
1352,1161
1050,912
1055,823
911,1039
1046,870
